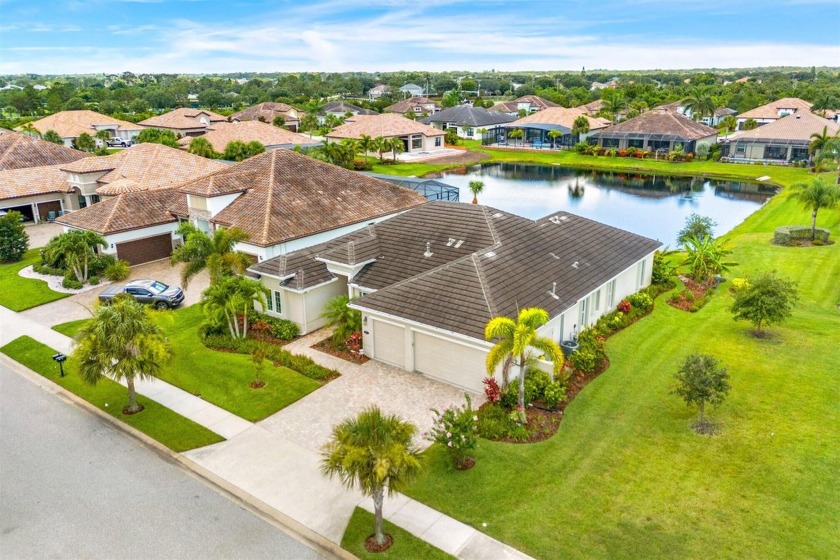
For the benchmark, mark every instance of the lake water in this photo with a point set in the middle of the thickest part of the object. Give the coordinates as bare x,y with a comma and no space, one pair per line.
652,205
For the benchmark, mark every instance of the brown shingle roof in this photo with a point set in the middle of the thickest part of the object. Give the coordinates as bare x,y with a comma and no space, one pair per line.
771,110
268,111
534,100
129,211
797,126
31,181
70,124
288,195
561,116
220,134
592,107
661,122
183,119
344,107
18,151
386,125
151,166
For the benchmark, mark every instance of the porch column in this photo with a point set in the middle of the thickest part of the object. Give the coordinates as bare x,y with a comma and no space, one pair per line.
35,217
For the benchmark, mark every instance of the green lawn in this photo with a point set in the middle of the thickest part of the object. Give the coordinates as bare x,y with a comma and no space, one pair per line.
156,421
405,544
625,476
221,378
18,293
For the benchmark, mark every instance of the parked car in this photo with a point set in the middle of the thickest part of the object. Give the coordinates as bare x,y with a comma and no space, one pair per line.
152,292
118,143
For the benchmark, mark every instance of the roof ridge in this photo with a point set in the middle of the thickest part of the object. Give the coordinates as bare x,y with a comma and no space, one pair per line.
107,224
491,305
18,138
490,225
269,197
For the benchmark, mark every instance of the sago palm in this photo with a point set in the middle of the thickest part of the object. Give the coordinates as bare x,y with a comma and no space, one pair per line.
215,253
816,194
338,314
515,339
373,452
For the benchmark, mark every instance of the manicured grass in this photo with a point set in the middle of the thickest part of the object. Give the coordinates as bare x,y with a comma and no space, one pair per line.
156,421
626,477
221,378
405,544
71,328
17,293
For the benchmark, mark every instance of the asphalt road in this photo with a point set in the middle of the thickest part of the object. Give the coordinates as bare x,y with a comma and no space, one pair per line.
73,486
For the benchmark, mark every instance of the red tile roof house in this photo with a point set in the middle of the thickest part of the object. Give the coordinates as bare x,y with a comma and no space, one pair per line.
284,201
267,112
782,141
774,111
71,124
657,130
185,121
417,137
429,280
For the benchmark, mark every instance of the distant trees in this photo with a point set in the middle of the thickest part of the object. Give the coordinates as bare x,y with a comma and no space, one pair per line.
202,147
765,300
14,241
52,136
237,150
157,136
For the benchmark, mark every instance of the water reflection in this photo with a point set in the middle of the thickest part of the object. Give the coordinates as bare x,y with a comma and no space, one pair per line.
652,205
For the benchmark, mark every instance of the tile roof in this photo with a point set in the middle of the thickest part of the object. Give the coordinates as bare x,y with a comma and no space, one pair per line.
513,106
561,116
19,150
268,111
220,134
797,126
465,115
129,211
288,196
386,125
184,119
31,181
662,122
592,107
344,107
408,105
70,124
771,110
503,263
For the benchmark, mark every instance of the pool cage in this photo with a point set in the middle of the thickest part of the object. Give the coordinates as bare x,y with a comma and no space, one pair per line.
432,189
644,141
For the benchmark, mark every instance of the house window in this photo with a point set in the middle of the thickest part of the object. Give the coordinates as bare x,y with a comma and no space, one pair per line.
437,142
642,273
416,142
636,143
584,313
610,294
740,148
775,152
469,132
609,142
597,300
798,154
278,303
269,305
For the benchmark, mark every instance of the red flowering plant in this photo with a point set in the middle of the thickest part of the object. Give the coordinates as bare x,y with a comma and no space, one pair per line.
354,342
624,307
492,390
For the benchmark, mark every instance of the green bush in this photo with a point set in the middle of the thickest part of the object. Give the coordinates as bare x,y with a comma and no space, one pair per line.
590,352
117,270
50,271
510,396
495,423
14,241
304,365
93,280
98,265
451,137
787,235
640,300
71,283
662,271
581,147
362,165
536,380
554,394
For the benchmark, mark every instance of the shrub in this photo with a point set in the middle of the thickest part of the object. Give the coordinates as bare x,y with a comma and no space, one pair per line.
641,301
117,270
590,352
456,429
624,306
786,235
281,329
536,380
297,362
93,280
581,147
494,423
48,270
362,165
510,396
71,283
554,394
662,271
14,241
492,390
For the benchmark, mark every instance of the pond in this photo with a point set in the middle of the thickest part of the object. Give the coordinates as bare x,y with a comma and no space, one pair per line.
652,205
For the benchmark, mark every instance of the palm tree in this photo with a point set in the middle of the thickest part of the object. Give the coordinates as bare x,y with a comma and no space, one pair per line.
103,135
365,144
819,141
830,152
76,249
236,150
84,142
30,130
706,257
475,188
52,136
215,253
816,194
373,452
396,146
728,124
515,338
554,134
338,314
202,147
231,297
580,126
614,104
379,145
700,103
516,133
123,343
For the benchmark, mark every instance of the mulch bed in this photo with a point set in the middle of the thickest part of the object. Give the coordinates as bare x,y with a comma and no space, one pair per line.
466,464
127,412
805,243
343,353
371,546
699,292
256,384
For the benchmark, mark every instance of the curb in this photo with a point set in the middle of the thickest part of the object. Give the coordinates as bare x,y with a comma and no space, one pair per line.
245,500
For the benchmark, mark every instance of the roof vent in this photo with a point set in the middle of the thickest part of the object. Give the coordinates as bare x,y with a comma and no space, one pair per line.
558,219
450,242
428,252
490,254
553,292
575,264
351,252
497,215
460,242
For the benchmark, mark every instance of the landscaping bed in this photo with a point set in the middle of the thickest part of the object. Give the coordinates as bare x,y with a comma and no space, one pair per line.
693,296
328,346
18,293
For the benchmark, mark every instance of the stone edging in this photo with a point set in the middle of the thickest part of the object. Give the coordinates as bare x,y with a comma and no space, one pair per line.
54,282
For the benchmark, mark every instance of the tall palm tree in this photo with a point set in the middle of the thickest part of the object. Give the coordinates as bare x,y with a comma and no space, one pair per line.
373,452
338,314
52,136
231,297
706,257
475,188
202,147
76,249
614,104
700,103
30,130
215,253
365,144
515,339
819,140
379,145
816,194
580,126
396,146
830,152
121,342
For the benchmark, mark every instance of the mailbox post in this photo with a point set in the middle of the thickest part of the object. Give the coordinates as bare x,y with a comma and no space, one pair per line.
60,359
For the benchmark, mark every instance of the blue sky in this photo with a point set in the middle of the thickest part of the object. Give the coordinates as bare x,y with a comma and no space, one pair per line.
207,36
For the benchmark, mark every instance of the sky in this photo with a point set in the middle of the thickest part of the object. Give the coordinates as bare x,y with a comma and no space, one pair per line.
211,36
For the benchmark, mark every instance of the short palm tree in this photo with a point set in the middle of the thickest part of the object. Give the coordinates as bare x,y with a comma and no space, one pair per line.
515,339
516,134
818,141
30,130
554,135
816,194
230,298
706,257
215,253
76,249
53,136
580,126
379,145
365,144
103,135
84,142
396,146
121,342
475,188
373,452
339,315
202,147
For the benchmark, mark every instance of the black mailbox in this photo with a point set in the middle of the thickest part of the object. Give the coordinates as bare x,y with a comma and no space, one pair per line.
60,359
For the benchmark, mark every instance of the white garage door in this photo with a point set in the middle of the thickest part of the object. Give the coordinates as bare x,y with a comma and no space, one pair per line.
389,343
453,363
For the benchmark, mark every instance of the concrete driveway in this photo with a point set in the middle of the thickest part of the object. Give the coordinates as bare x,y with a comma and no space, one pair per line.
40,234
81,306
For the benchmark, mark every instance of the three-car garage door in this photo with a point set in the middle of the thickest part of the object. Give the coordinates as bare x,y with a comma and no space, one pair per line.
450,362
389,345
145,250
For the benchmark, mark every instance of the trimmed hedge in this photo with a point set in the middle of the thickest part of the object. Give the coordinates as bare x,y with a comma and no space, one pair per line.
297,362
786,235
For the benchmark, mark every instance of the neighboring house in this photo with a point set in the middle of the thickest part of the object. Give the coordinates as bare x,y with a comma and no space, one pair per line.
429,280
597,86
272,137
656,130
466,121
527,103
774,111
413,90
268,112
342,109
71,124
416,136
378,91
537,126
782,141
31,179
714,120
417,106
592,108
185,121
